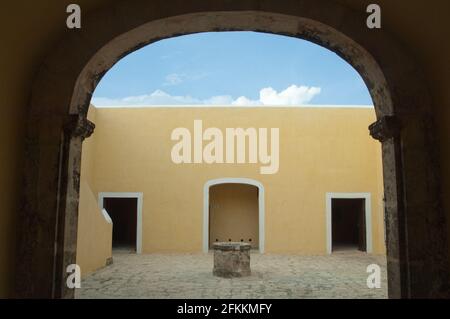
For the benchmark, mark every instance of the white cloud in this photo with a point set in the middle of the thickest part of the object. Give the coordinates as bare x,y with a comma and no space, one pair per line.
158,97
178,78
244,101
292,96
174,79
219,100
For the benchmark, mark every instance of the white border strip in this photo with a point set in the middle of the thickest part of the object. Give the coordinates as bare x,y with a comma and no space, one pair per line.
106,216
139,197
246,181
368,208
215,106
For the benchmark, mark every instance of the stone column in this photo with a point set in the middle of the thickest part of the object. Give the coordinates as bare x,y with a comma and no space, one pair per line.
76,130
417,252
387,130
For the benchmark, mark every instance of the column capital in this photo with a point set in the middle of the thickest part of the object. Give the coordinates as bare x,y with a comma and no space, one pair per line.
79,126
385,128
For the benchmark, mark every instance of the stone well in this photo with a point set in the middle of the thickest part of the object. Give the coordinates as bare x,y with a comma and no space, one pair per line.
231,259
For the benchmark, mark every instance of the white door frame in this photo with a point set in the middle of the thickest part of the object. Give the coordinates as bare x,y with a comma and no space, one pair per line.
368,216
261,213
139,197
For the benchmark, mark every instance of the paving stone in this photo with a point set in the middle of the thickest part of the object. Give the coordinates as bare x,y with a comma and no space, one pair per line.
168,276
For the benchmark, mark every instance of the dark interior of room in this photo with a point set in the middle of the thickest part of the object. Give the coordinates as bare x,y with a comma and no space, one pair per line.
123,212
348,224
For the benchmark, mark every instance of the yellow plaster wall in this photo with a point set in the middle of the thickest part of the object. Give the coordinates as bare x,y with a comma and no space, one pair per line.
233,213
94,240
321,150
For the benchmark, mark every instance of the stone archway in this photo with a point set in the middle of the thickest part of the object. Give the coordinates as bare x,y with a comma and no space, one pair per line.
57,125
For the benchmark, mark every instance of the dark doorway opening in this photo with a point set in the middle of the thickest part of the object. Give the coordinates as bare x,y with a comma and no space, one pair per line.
123,212
348,224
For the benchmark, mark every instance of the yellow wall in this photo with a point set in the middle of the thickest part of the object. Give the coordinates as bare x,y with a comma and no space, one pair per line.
94,240
321,150
233,213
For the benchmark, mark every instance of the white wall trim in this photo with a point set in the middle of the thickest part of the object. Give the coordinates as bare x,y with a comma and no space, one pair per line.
106,216
139,197
368,215
261,209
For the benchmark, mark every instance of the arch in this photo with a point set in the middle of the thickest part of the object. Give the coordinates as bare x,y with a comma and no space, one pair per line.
261,207
57,125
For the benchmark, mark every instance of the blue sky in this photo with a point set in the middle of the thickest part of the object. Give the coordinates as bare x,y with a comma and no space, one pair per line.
232,68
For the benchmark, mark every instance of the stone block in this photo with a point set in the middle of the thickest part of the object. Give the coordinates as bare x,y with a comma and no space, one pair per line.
231,259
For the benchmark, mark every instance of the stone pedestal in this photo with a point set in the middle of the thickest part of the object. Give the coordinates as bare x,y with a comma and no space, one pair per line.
231,259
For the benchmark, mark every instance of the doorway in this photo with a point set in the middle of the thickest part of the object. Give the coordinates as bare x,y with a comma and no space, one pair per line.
348,222
125,210
348,229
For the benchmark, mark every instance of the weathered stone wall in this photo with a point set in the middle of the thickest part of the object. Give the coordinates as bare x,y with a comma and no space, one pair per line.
231,260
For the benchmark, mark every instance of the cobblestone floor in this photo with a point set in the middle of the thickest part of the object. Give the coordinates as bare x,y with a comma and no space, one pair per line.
341,275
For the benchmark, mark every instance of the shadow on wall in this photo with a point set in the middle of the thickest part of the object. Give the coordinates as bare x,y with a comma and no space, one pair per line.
94,238
94,243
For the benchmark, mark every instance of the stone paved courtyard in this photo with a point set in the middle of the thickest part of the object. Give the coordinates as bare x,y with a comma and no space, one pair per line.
341,275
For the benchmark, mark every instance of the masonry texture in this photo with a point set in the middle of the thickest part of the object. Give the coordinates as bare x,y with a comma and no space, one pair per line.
231,260
341,275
